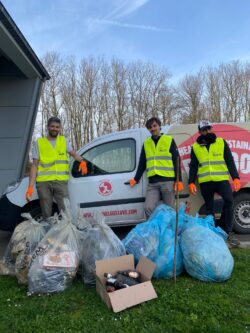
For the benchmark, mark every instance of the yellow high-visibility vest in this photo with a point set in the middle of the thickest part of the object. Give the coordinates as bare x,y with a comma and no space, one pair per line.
212,166
158,158
54,162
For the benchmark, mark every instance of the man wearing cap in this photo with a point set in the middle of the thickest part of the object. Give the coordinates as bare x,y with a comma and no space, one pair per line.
212,162
50,168
159,157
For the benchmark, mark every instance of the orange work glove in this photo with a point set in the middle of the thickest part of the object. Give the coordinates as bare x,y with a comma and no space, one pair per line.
132,182
29,193
178,185
83,168
192,188
237,184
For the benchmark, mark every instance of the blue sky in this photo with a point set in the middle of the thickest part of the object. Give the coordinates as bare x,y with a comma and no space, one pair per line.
182,35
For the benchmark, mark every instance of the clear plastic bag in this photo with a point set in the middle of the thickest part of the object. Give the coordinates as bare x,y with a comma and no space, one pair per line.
24,240
205,253
7,263
55,261
154,239
99,242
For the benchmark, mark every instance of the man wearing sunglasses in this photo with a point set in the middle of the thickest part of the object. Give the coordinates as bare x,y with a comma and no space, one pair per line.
159,157
212,162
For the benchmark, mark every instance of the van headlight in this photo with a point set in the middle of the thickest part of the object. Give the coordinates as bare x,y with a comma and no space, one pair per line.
12,187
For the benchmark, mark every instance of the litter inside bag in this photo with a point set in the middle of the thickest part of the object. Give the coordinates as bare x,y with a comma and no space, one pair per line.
207,222
24,240
7,263
55,260
167,215
99,242
205,253
154,239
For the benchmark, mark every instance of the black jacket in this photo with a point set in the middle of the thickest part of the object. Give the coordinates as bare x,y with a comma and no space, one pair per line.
228,157
156,178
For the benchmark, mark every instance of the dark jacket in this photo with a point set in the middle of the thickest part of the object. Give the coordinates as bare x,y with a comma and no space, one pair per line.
228,157
156,178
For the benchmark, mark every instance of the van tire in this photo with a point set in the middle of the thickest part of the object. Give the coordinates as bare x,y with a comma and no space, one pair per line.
36,212
242,213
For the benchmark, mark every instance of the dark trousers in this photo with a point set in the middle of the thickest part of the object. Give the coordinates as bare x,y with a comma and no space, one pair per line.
47,191
223,188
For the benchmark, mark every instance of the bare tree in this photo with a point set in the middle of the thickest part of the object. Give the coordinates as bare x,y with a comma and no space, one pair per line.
231,90
51,102
213,95
149,93
246,93
167,107
94,96
189,97
119,93
88,89
103,119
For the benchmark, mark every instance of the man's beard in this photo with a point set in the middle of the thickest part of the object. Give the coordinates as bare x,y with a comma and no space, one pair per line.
53,134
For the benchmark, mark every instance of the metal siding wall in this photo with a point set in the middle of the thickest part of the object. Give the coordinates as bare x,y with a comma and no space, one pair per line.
18,107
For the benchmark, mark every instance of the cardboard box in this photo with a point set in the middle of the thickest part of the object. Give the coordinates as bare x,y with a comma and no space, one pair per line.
125,298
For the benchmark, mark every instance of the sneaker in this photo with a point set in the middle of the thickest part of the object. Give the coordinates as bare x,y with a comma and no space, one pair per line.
232,241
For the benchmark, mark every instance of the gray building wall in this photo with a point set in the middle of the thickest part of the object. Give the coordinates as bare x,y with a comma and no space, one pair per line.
21,78
19,97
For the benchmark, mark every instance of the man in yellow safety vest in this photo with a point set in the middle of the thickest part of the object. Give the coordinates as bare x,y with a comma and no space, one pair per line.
159,158
212,162
50,168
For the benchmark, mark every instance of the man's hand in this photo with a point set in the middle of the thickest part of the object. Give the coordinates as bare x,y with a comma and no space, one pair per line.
83,168
179,186
132,182
237,184
29,193
192,189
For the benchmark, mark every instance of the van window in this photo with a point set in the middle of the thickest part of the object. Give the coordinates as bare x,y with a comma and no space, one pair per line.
111,157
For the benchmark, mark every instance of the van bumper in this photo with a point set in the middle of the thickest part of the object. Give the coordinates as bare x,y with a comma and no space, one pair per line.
9,214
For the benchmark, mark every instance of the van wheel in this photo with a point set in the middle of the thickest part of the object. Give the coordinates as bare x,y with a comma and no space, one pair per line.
242,213
36,212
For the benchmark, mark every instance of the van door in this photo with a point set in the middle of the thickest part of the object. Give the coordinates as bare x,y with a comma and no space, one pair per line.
111,163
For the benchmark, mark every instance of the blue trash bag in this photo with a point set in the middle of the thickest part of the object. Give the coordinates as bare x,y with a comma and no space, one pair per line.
167,214
205,253
154,239
207,222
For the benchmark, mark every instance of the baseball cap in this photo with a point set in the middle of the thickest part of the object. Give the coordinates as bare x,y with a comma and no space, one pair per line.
204,124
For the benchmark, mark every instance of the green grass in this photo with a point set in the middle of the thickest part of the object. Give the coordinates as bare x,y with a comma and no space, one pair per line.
188,306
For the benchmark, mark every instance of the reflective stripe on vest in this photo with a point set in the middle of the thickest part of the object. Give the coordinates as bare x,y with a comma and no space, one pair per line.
212,166
53,163
158,158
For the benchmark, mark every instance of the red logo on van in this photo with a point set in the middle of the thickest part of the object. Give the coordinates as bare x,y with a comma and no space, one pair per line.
238,140
105,188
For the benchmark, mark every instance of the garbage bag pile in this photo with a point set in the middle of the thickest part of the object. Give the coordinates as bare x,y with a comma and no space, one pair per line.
98,242
201,247
46,254
55,261
23,242
154,239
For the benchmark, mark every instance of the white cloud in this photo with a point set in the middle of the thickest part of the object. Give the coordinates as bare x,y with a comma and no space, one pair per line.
124,8
129,25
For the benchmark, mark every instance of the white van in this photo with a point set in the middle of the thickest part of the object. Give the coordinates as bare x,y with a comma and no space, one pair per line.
113,160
